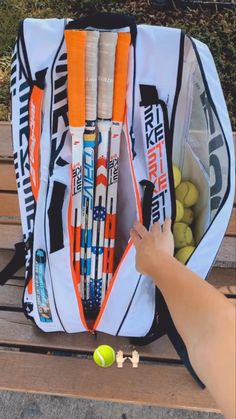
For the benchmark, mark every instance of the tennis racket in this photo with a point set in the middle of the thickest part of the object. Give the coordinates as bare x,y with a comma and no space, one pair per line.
91,64
75,45
121,69
106,54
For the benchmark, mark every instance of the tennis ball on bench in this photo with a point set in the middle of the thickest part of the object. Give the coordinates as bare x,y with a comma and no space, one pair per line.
183,235
187,193
184,254
188,216
179,211
177,175
104,356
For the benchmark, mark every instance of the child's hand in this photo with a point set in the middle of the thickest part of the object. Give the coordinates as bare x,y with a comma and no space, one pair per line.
151,245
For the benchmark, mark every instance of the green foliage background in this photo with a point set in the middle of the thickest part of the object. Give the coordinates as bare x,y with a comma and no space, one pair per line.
214,27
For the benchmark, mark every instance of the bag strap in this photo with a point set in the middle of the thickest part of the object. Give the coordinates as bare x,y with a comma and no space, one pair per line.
17,262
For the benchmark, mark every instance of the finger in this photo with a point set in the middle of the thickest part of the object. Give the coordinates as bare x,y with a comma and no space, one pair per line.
156,228
166,228
134,237
140,229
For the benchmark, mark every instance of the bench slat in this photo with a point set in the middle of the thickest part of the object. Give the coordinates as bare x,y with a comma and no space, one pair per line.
226,257
152,384
9,207
219,277
224,280
11,234
6,142
11,294
7,176
16,330
231,230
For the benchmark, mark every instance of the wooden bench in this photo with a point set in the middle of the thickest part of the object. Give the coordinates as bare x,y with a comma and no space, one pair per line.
35,362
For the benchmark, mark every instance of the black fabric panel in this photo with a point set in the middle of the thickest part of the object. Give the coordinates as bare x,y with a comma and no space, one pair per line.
40,78
106,21
61,162
55,217
15,263
147,202
149,95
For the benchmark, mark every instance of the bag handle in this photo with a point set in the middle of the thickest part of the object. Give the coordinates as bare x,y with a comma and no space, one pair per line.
17,262
107,21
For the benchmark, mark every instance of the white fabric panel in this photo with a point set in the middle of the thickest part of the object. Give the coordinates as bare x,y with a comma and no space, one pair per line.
141,314
217,95
157,52
204,255
157,58
39,232
42,39
140,317
184,106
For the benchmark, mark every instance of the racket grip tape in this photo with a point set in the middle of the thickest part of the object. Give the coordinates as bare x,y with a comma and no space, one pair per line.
75,45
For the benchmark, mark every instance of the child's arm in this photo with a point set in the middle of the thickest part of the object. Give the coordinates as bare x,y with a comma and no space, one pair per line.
204,318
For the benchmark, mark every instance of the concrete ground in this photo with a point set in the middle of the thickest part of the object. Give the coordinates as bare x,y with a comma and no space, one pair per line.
15,405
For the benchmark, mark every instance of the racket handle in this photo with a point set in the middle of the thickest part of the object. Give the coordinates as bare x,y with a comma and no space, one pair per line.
107,47
121,68
75,45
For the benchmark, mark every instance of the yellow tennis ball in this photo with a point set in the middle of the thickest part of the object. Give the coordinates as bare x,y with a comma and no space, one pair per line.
192,242
177,175
187,193
188,216
183,235
179,211
184,254
104,356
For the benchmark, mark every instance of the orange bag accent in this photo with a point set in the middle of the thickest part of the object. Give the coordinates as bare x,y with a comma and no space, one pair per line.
121,68
75,44
35,106
30,286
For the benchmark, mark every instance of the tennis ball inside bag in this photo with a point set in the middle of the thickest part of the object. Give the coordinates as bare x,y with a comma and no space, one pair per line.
173,112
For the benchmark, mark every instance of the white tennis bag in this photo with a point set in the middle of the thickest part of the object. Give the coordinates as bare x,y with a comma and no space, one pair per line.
175,113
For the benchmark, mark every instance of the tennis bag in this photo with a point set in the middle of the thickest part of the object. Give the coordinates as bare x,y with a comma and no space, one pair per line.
175,113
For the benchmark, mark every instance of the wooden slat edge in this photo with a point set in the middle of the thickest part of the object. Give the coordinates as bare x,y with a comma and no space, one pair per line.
9,235
7,176
5,140
9,207
149,384
231,229
17,331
